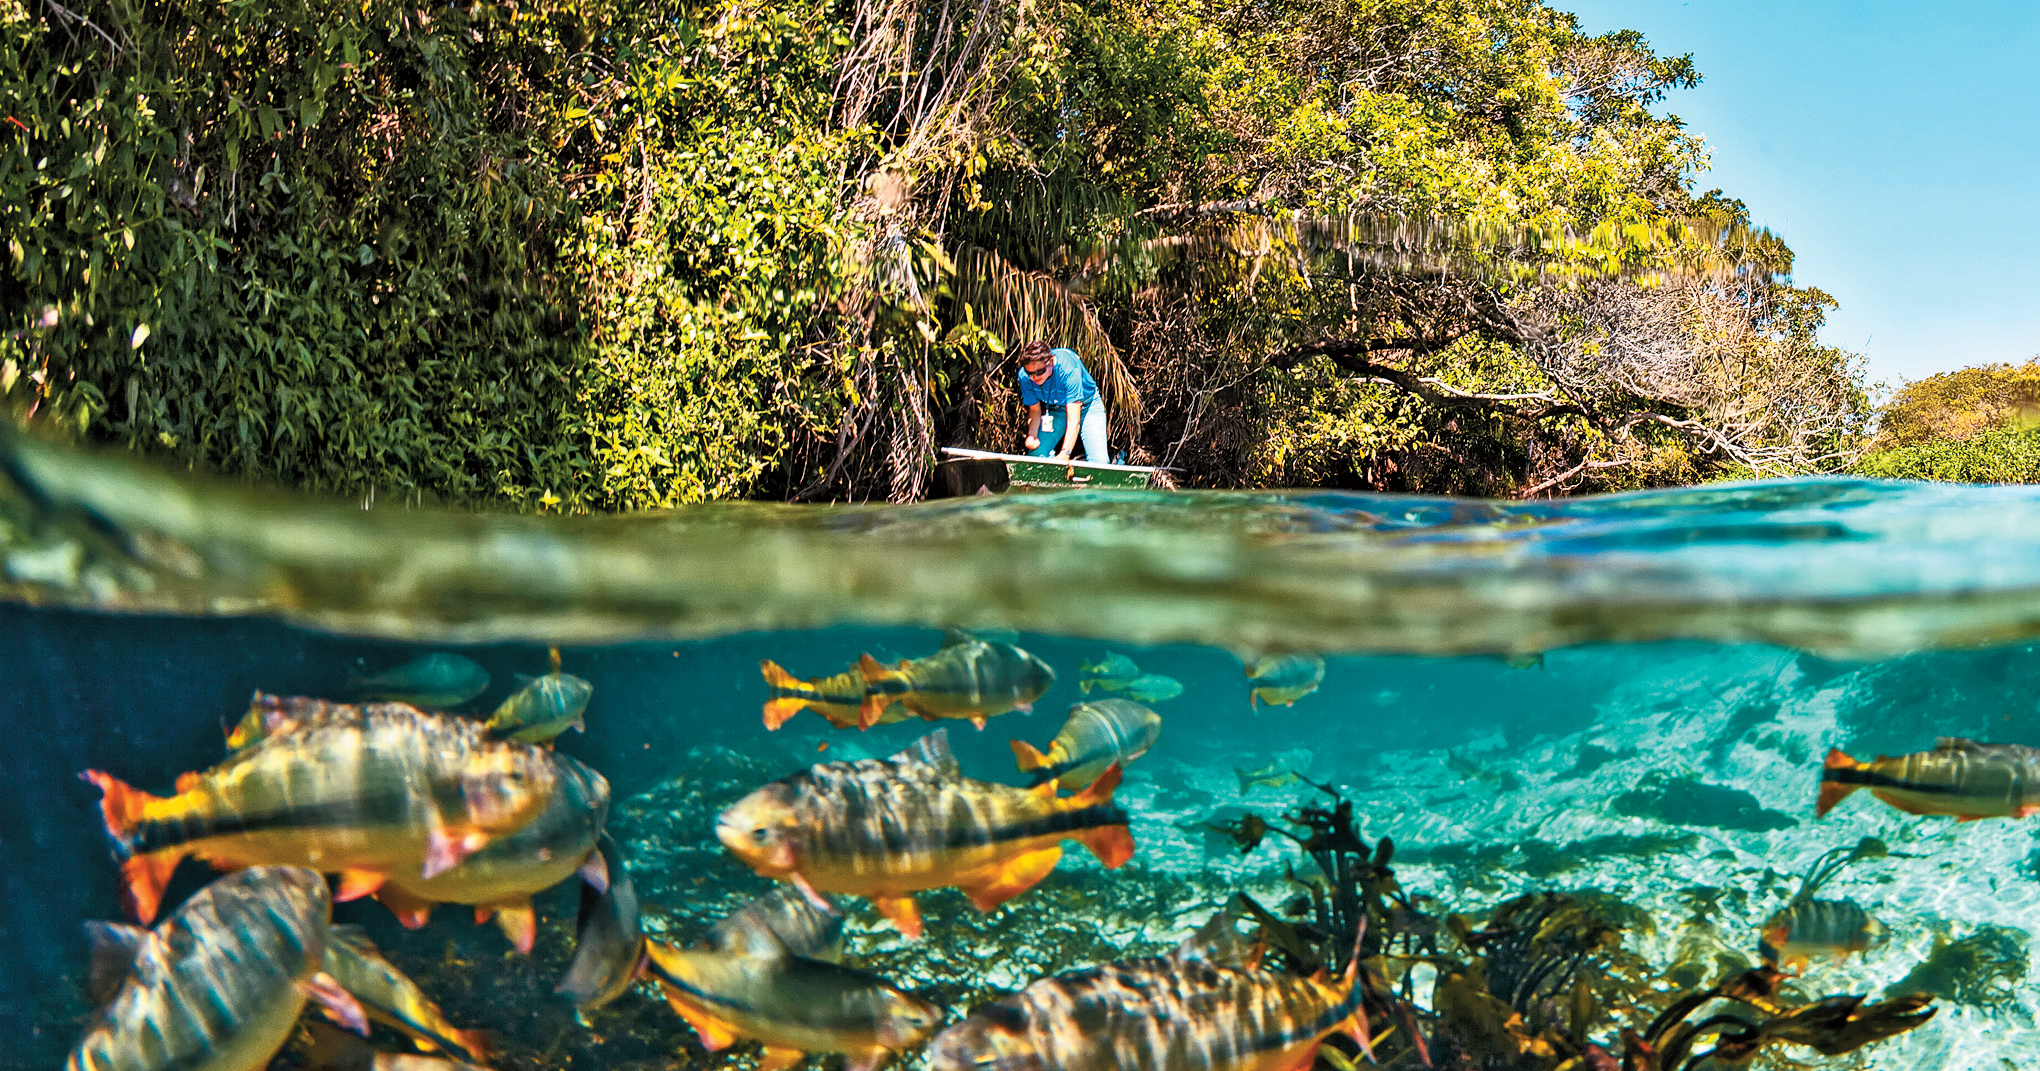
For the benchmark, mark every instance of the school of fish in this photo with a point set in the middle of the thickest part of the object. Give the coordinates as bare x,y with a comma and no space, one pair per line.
400,796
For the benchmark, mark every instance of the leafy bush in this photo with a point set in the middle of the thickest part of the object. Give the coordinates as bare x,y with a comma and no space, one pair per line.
2002,455
534,255
277,238
1959,404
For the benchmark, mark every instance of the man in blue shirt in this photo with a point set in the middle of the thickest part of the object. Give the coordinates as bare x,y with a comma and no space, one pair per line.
1062,403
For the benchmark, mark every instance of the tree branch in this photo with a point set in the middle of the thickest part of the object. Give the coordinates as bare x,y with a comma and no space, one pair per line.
1584,466
1352,356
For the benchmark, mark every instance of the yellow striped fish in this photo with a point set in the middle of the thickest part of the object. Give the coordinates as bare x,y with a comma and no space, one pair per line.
1284,679
969,679
840,698
501,877
219,984
1809,928
543,708
388,996
888,828
1958,777
385,790
1162,1013
1098,734
792,1004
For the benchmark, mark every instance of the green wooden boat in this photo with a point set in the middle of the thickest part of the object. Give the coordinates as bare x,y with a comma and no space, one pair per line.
1023,470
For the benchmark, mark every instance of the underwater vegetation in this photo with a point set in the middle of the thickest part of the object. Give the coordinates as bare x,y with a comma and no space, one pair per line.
1544,983
1978,970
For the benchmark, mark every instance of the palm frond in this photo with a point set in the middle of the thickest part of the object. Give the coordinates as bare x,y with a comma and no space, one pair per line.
1021,306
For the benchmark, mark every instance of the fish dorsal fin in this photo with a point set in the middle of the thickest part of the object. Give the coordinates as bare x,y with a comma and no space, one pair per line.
114,947
1957,743
956,637
761,943
1216,942
931,751
355,938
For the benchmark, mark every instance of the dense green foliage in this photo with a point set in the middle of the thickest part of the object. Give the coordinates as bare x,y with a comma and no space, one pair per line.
274,238
480,253
1960,404
1972,425
633,254
2001,455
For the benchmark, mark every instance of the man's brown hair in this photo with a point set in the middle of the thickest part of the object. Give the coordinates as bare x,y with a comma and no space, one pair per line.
1034,351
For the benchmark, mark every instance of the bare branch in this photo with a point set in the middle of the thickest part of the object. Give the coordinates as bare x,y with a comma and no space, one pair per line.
71,18
1583,467
1351,356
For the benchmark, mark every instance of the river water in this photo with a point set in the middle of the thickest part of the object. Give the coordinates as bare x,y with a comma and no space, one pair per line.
1625,698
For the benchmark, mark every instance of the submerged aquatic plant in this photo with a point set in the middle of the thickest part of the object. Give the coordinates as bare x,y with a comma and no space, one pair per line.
1831,1026
1830,862
1980,970
1545,983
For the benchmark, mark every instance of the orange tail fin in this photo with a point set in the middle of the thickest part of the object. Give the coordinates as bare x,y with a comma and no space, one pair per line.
780,707
1112,844
1357,1027
778,710
1027,756
1833,791
776,675
120,804
147,876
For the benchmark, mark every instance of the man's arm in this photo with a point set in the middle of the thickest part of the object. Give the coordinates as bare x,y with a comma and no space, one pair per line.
1033,426
1069,443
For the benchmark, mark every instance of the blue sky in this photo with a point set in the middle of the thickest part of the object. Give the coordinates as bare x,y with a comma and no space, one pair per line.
1894,146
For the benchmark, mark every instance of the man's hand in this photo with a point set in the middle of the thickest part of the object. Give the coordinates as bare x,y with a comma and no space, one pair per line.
1033,442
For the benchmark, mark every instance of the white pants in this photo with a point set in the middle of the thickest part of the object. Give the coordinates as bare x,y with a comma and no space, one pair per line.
1090,430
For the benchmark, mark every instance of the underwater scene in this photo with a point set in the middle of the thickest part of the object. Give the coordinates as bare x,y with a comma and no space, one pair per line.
1728,776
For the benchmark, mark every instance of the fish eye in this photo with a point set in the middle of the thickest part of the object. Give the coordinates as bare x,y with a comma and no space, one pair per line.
760,835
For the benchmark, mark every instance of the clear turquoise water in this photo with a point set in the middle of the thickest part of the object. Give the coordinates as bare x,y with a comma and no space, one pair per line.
1727,635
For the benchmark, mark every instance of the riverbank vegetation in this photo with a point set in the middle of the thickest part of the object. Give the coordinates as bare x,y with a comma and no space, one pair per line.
1974,425
644,252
